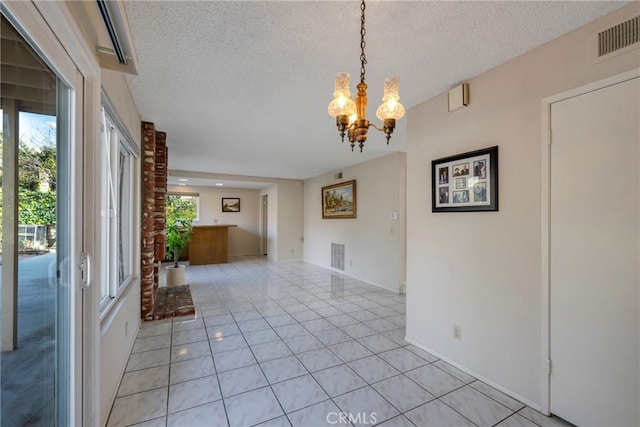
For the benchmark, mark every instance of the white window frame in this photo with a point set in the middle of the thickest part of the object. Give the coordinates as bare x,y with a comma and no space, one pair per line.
115,141
125,225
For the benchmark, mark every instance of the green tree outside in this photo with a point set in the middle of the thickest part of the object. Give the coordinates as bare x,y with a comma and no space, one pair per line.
181,210
183,207
37,173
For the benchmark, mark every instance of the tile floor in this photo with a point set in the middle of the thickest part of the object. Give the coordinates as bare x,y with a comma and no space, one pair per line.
292,344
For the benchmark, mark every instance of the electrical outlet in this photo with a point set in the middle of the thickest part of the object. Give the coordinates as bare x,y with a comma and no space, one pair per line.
457,332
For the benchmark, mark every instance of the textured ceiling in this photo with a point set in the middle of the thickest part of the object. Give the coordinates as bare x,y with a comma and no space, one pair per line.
242,87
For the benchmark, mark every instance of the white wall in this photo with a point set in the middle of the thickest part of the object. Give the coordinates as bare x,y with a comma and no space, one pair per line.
374,243
116,88
117,334
118,329
482,271
244,239
290,228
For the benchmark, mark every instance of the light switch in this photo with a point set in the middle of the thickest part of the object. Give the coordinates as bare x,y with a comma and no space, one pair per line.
393,215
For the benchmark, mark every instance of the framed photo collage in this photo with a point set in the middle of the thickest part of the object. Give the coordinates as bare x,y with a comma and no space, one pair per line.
466,182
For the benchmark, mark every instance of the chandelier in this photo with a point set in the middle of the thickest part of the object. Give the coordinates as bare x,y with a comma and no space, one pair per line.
351,116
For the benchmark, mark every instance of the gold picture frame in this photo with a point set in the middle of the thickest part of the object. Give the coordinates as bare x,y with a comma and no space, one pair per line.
339,200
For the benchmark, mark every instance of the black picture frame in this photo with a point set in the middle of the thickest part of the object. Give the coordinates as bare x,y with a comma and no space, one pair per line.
230,204
477,171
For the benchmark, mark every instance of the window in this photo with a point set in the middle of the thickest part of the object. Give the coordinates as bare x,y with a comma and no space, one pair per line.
118,155
125,212
184,205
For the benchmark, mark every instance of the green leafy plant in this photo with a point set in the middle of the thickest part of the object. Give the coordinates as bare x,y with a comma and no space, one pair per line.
35,207
178,235
179,230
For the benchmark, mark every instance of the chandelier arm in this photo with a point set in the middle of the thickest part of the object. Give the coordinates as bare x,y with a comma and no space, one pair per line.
387,128
373,124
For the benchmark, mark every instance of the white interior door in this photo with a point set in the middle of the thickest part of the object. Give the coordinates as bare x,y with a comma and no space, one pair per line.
594,257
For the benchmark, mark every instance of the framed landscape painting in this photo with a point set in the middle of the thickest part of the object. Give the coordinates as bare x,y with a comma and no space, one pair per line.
339,200
230,204
465,182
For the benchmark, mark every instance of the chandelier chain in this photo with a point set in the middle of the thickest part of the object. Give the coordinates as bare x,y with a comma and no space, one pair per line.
351,114
363,31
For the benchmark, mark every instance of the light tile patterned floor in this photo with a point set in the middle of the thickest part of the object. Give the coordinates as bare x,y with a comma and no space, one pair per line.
292,344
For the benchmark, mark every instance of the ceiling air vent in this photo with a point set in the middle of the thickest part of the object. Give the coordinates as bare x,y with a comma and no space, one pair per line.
619,36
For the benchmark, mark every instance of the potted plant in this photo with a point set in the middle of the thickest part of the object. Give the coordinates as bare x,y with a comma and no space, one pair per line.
179,230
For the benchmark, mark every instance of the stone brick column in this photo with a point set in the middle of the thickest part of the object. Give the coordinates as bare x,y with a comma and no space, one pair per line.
160,201
147,250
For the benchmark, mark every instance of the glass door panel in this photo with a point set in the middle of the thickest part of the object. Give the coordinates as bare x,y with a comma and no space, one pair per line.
36,237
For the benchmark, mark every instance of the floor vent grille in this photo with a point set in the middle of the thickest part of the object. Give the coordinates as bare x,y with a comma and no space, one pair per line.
619,36
337,256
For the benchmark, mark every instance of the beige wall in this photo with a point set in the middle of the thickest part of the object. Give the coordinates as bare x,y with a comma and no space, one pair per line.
118,328
290,228
285,217
482,271
115,87
243,240
285,206
374,243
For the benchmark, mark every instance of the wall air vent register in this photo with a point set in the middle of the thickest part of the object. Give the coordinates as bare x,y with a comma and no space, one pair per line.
619,36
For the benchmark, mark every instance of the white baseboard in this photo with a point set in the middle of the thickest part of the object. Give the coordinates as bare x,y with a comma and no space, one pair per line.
395,291
476,375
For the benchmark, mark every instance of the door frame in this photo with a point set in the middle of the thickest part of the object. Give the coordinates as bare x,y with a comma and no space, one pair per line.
50,26
545,285
264,225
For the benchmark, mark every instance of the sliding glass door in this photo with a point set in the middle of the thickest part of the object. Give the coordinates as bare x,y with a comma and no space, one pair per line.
41,227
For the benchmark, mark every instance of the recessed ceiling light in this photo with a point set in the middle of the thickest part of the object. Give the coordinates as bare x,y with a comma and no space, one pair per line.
181,183
183,179
219,184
